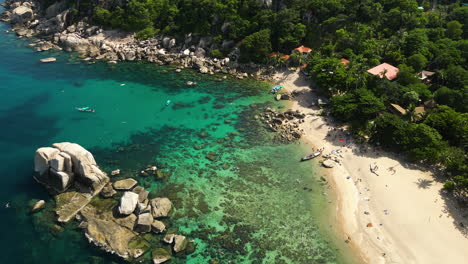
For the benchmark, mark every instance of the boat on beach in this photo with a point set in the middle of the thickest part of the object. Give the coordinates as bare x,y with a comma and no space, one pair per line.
85,109
276,88
311,156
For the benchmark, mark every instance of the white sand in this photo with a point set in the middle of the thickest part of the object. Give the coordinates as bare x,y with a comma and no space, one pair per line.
419,226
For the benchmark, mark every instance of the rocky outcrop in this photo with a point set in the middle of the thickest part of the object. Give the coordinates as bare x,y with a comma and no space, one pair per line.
160,207
57,24
68,166
109,233
286,124
22,14
128,203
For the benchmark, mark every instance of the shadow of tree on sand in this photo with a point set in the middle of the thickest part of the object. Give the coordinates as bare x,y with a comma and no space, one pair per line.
424,183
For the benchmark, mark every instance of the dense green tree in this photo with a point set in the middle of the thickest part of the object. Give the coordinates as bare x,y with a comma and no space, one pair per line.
453,126
417,61
256,46
360,104
454,30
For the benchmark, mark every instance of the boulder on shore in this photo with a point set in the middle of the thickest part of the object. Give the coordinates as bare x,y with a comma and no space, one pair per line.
128,203
329,163
161,207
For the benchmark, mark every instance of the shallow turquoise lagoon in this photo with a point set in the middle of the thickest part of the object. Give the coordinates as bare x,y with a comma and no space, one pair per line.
252,202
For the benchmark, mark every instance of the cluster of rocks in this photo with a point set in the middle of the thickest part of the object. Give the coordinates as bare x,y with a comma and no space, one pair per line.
71,174
332,159
286,124
55,25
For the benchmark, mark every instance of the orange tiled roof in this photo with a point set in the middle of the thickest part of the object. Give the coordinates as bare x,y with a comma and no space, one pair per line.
344,61
303,49
390,71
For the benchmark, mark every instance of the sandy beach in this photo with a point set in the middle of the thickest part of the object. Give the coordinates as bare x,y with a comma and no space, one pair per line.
397,214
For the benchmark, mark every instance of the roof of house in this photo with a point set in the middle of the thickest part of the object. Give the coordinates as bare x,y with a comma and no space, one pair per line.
303,66
399,109
425,74
344,61
273,54
389,70
285,57
419,109
303,49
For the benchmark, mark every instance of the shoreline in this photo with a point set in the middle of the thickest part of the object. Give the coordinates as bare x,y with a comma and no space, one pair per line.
93,43
400,216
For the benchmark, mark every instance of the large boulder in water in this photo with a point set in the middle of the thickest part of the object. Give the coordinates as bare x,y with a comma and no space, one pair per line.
66,164
128,203
42,158
161,207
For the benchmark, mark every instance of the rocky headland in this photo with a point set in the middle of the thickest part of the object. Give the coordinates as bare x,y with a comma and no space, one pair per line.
123,220
55,27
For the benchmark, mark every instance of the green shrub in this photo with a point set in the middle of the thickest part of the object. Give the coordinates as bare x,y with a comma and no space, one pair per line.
146,33
216,53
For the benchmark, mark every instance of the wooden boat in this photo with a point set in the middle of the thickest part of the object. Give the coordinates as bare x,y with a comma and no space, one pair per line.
311,156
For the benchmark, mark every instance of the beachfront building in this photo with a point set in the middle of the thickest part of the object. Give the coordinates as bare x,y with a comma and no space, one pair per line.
385,70
305,51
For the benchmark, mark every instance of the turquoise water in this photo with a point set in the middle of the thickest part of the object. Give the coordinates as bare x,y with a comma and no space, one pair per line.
252,202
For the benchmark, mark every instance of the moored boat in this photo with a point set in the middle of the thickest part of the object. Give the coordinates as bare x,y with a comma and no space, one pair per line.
85,109
311,156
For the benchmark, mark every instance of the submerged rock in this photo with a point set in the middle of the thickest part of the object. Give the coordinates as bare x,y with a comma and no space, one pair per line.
158,226
39,205
108,191
125,185
161,207
109,233
180,243
169,238
160,255
128,203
